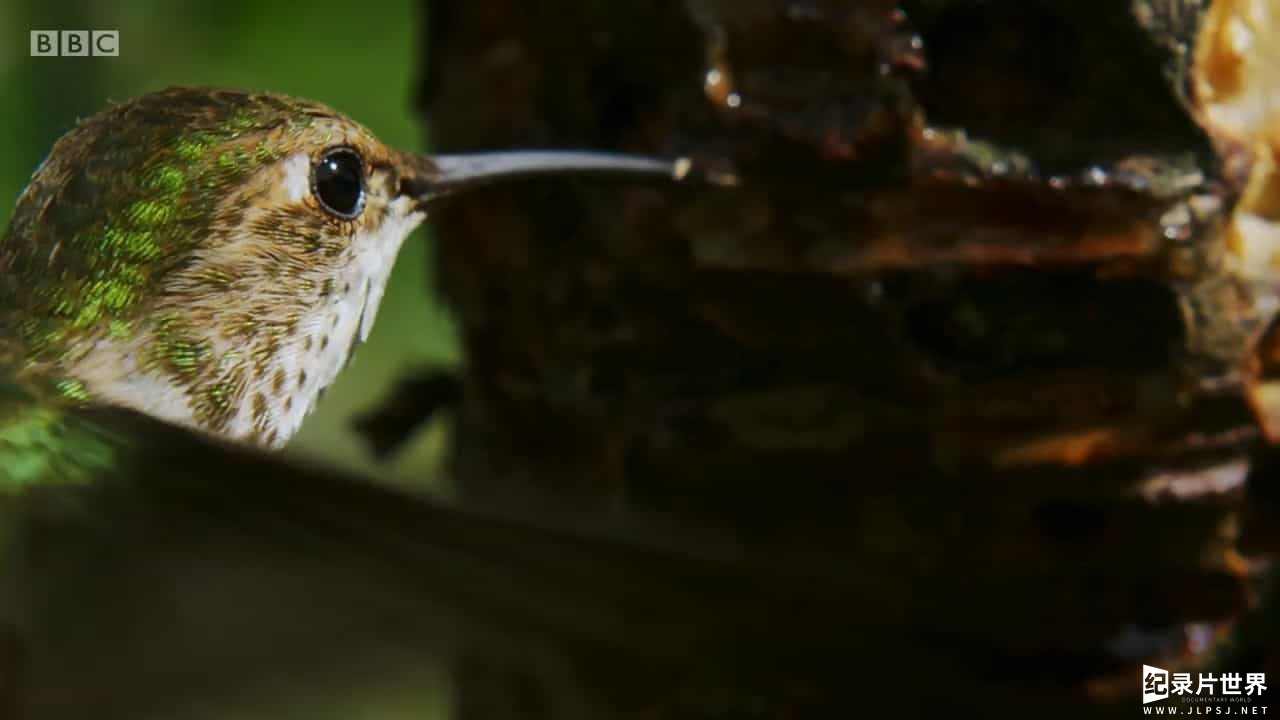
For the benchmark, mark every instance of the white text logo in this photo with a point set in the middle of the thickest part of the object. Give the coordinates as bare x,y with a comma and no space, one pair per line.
75,43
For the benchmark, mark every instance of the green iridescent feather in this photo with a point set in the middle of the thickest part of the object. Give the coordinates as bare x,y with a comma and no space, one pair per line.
47,442
88,240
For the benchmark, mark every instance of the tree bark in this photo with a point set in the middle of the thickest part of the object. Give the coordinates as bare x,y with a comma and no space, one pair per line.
964,329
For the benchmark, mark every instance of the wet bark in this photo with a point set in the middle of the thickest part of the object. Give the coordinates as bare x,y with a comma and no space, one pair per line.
964,330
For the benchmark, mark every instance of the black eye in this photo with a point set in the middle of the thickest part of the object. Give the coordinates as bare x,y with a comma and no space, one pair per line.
337,180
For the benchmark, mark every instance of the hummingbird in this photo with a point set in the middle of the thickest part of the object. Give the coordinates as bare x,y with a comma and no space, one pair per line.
211,257
182,277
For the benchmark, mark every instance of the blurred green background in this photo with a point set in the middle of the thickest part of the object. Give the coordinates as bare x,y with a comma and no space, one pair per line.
359,58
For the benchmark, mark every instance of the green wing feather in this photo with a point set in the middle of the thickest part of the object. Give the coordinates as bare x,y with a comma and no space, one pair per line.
49,442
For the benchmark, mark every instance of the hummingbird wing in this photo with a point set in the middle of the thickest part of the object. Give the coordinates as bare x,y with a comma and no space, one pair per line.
45,441
149,567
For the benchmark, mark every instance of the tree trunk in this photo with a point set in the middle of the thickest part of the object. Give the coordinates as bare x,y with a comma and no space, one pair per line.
963,330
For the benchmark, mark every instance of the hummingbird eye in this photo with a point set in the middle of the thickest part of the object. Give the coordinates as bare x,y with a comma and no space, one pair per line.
337,181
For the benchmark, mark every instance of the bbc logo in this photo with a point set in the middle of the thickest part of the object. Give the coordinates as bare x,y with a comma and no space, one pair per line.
75,43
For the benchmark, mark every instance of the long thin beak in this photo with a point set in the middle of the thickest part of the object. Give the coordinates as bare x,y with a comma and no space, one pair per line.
442,175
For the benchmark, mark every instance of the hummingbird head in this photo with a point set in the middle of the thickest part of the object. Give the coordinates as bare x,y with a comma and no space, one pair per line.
212,257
